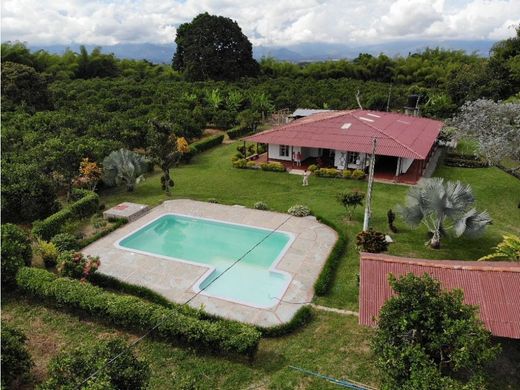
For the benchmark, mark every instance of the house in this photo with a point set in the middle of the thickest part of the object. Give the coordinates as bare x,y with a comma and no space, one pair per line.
344,140
491,285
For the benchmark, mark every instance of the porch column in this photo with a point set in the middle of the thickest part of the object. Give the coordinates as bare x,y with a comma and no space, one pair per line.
398,169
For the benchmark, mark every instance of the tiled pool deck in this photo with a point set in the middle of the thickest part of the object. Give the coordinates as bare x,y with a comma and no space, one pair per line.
175,280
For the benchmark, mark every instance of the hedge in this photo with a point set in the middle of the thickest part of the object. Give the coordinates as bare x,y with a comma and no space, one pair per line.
202,145
50,226
302,317
238,131
326,276
464,161
116,224
136,314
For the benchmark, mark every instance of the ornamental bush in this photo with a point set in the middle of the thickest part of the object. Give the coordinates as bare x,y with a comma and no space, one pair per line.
273,166
371,241
70,369
299,210
48,252
65,242
76,265
16,252
240,163
139,315
357,174
347,174
261,206
16,360
328,172
312,168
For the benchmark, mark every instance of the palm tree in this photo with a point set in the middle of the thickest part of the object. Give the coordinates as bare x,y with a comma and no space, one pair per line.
443,206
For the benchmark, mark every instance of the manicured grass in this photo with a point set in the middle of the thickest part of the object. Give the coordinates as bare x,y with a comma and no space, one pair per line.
210,175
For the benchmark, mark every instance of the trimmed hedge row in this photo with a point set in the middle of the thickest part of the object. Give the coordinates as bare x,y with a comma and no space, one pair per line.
301,318
464,161
356,174
326,276
50,226
202,145
238,131
136,314
87,241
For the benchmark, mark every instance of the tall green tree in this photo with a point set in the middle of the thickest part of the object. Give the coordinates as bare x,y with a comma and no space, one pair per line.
428,339
213,47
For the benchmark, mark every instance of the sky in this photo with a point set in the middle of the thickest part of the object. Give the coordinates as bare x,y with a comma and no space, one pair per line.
265,22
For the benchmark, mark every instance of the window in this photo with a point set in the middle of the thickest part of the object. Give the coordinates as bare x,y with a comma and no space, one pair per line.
352,157
284,151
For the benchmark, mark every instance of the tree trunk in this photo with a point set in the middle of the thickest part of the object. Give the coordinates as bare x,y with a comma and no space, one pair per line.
166,178
435,241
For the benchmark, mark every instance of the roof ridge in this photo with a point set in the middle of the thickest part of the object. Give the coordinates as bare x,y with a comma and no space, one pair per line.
387,135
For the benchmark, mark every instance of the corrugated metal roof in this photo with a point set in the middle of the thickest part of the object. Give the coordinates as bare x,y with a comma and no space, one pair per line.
301,112
397,134
493,286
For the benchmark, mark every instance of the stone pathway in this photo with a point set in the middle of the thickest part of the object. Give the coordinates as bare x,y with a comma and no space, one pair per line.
334,310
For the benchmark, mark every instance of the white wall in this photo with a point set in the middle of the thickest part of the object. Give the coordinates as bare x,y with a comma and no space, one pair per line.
274,152
405,164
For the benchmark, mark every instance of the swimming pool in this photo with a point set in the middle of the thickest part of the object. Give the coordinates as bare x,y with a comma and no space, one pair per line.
217,245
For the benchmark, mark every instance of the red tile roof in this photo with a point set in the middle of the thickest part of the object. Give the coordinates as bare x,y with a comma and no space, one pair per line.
397,134
493,286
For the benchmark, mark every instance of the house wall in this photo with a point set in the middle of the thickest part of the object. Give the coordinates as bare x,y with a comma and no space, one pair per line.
405,164
274,152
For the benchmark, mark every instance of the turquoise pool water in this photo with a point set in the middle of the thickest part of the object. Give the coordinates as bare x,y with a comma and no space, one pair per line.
219,244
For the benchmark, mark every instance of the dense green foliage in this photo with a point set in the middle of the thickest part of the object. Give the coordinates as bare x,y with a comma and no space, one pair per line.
52,225
75,369
429,339
76,265
65,242
16,360
213,47
371,241
16,252
134,313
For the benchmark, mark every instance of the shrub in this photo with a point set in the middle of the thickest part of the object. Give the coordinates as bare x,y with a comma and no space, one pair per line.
16,252
347,174
136,314
16,360
327,274
464,161
65,242
357,174
299,210
273,166
82,208
251,165
206,143
241,163
238,131
76,265
312,168
261,206
371,241
213,200
48,252
350,200
390,215
327,172
70,369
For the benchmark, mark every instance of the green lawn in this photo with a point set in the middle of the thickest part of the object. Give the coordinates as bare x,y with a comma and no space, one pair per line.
331,344
210,175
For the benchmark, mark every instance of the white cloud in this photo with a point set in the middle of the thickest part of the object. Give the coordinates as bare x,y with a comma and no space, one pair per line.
269,22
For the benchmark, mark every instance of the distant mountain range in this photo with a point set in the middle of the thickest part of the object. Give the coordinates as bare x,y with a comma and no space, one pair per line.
295,53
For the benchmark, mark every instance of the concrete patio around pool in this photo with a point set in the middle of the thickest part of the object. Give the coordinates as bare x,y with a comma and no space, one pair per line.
175,280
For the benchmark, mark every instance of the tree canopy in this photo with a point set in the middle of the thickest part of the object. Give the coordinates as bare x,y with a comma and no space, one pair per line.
429,339
213,47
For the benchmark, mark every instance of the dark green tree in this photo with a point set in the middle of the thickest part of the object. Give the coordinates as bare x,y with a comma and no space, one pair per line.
16,252
213,47
429,339
16,361
504,66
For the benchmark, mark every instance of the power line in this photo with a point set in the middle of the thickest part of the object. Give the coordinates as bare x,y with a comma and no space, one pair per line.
133,343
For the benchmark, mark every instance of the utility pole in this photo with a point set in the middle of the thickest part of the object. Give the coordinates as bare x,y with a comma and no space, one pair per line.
368,208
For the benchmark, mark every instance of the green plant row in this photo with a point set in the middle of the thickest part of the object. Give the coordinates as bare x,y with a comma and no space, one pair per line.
134,313
267,166
464,161
50,226
238,131
117,223
301,318
327,274
202,145
356,174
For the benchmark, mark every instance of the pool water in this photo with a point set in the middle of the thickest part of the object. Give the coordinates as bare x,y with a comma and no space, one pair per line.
218,245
